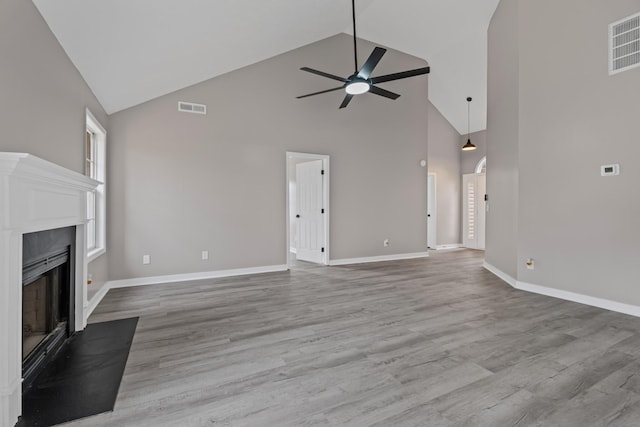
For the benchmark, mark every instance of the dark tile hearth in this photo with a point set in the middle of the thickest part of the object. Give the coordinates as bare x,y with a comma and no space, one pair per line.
83,378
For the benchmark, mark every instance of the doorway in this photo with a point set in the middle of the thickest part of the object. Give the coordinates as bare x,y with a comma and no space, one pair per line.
307,212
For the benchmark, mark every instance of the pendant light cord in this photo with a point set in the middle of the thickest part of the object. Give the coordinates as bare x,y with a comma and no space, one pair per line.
355,45
469,99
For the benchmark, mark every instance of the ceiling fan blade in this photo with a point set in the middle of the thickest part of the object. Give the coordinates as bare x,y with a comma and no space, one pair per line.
346,101
382,92
398,76
323,74
318,93
371,63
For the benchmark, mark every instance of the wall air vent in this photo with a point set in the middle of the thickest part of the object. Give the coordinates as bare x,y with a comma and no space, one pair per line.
624,44
190,107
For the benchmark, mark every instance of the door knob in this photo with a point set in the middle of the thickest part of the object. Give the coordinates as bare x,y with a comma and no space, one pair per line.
297,216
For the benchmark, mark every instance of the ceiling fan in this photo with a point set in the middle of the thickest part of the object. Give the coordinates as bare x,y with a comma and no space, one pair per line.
361,81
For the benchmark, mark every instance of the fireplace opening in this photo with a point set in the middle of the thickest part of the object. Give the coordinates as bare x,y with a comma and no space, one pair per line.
47,298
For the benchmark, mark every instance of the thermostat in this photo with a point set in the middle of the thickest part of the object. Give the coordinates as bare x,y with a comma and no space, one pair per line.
607,170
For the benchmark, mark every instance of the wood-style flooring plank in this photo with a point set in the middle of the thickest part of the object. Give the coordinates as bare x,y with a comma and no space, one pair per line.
427,342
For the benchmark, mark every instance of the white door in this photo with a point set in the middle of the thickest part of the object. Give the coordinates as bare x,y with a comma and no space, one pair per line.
474,187
309,212
431,212
482,208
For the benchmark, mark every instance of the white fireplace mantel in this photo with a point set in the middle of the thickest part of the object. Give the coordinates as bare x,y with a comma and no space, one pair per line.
35,195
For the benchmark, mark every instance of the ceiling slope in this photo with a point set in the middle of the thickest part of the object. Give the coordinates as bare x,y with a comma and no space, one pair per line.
132,51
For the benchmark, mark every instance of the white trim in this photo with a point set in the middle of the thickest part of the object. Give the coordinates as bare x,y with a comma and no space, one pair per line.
35,195
326,200
433,211
501,274
95,254
100,218
619,307
95,300
186,277
293,250
10,389
449,246
380,258
32,168
480,164
93,123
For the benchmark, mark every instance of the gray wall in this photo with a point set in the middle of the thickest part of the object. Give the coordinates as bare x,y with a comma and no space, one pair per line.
182,183
469,159
502,138
571,118
43,97
444,160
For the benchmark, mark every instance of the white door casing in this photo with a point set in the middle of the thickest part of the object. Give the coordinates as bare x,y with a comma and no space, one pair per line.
431,212
473,210
310,211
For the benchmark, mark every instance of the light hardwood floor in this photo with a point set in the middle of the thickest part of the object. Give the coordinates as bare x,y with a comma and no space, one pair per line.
428,342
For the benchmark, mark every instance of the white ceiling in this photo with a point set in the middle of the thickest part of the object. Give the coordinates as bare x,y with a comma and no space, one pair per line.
132,51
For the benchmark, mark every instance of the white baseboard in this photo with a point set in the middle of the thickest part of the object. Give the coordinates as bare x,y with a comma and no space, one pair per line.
501,274
607,304
450,246
187,277
380,258
95,300
619,307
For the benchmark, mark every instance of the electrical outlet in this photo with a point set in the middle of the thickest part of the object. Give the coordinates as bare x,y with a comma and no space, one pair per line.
386,242
529,262
205,255
146,259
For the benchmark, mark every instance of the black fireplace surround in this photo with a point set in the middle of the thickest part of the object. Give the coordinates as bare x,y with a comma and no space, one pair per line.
48,266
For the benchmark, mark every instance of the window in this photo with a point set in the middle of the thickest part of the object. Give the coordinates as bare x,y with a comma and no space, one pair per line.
481,167
95,167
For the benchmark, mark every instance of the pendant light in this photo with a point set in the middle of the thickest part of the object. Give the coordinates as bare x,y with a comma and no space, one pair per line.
468,146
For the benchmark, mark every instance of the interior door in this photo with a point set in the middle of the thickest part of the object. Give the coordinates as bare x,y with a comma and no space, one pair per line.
474,188
431,212
482,208
309,216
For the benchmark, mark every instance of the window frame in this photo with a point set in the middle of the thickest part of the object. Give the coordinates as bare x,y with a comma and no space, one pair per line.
99,159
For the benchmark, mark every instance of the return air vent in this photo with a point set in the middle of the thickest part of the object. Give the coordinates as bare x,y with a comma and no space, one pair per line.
624,44
190,107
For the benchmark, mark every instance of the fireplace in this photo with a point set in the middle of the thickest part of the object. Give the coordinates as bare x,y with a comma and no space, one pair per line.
37,196
47,297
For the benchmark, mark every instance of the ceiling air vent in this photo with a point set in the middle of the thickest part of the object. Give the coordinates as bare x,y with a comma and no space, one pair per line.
190,107
624,44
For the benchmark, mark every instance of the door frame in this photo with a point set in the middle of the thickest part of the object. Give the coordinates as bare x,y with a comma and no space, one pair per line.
479,211
434,210
325,199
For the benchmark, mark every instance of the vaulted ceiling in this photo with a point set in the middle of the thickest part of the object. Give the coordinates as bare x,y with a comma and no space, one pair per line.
132,51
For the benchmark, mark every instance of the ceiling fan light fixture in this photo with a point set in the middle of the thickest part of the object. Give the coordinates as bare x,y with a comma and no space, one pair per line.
357,88
361,81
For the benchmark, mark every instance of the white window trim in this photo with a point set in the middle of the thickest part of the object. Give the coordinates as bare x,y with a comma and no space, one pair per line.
96,128
482,164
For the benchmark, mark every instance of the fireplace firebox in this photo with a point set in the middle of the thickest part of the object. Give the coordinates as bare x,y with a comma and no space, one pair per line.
47,297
